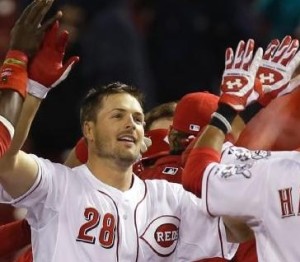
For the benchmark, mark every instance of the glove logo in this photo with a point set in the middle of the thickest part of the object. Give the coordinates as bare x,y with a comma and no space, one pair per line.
162,235
244,155
267,78
231,85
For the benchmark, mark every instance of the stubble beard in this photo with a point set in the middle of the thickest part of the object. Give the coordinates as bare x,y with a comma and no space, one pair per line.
121,156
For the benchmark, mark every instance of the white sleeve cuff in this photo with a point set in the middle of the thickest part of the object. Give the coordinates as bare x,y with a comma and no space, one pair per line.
36,89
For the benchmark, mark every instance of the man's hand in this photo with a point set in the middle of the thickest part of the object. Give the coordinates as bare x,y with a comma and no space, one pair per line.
47,69
237,88
277,67
27,33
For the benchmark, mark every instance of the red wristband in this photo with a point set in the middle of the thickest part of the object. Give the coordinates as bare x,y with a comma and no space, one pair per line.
17,55
13,73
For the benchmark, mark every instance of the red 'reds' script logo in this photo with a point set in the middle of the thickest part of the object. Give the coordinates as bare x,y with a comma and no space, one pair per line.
162,235
166,235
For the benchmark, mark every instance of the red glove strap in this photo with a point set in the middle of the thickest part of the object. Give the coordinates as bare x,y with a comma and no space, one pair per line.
14,77
193,172
18,56
13,73
81,151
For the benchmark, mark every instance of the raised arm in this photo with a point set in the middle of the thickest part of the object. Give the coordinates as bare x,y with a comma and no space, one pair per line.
45,72
13,73
238,92
18,170
273,79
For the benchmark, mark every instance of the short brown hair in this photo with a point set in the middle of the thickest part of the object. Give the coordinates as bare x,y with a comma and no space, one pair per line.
165,110
92,102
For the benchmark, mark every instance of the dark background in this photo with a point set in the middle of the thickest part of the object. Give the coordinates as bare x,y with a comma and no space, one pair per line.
165,47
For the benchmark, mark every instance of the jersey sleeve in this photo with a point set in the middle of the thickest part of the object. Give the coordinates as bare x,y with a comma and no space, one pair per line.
44,198
238,190
201,232
238,155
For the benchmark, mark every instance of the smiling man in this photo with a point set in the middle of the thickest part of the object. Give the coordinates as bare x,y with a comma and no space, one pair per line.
102,210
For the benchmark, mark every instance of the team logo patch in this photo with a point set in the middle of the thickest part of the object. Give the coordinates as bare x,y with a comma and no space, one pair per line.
162,235
194,127
267,79
170,171
243,154
235,170
237,84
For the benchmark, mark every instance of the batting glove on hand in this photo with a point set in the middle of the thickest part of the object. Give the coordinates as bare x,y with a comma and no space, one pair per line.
237,88
277,67
47,69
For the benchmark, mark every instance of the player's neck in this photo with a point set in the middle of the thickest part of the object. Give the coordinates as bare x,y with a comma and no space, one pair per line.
111,173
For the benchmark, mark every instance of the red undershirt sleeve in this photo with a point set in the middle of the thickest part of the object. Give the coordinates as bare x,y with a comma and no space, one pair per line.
196,164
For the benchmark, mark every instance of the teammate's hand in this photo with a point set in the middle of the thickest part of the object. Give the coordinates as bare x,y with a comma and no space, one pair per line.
47,69
27,33
237,88
277,67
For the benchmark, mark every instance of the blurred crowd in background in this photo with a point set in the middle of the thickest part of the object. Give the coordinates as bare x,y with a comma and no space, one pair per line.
165,47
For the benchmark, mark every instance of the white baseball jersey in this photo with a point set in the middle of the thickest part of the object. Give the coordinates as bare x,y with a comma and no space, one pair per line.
263,188
76,217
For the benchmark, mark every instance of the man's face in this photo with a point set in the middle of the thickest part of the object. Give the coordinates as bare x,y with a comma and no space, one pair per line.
119,129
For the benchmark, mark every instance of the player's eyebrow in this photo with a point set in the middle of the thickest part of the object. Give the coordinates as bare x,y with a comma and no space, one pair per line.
124,110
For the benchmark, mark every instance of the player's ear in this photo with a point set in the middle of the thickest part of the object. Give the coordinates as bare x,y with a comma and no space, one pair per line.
88,130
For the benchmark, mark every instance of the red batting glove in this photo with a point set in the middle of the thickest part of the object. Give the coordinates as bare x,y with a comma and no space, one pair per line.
47,69
237,88
277,67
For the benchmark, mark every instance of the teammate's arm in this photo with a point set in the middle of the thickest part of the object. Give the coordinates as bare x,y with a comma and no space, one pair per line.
237,91
13,72
18,170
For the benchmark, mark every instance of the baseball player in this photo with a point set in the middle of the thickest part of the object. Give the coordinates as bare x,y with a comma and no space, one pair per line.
258,188
109,209
157,123
192,113
101,210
